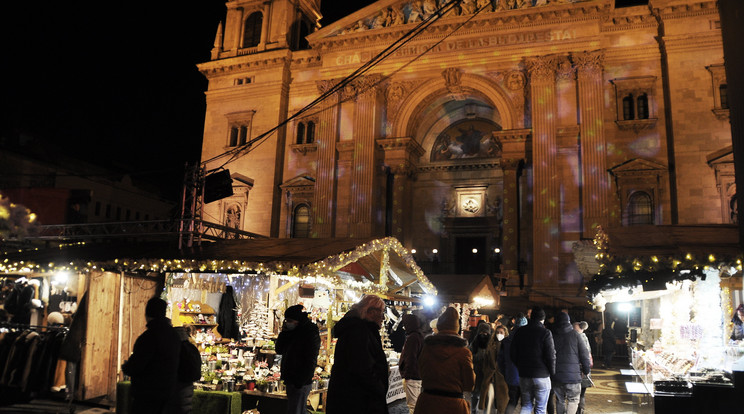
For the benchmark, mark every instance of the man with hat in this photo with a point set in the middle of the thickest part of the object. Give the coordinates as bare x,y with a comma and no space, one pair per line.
298,344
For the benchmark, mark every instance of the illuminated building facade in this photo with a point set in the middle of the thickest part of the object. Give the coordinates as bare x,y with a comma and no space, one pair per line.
513,125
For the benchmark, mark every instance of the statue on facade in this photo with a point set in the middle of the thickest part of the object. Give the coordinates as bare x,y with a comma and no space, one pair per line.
485,5
417,12
381,20
467,6
396,16
429,7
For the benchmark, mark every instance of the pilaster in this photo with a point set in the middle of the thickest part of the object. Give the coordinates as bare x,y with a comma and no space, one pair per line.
325,189
546,200
595,178
401,155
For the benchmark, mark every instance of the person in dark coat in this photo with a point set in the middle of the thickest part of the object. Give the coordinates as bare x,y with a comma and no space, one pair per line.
298,344
408,363
737,331
153,365
183,395
571,360
508,369
227,317
533,352
359,377
608,346
72,346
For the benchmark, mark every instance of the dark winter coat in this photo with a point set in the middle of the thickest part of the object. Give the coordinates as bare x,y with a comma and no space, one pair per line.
72,345
408,363
153,366
506,366
445,364
737,331
183,396
359,377
532,351
227,317
608,341
571,353
299,350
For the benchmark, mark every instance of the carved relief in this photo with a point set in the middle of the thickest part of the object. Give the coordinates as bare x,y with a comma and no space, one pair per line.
362,86
564,69
589,63
485,6
452,80
515,80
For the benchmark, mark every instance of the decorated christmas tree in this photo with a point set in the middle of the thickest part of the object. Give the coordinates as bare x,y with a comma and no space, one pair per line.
258,322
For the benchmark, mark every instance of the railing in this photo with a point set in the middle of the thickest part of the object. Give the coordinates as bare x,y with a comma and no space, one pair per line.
194,230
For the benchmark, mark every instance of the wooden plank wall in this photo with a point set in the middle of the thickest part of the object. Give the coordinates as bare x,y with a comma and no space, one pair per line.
98,373
136,292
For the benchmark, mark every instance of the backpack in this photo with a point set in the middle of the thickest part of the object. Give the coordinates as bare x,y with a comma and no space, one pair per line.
189,366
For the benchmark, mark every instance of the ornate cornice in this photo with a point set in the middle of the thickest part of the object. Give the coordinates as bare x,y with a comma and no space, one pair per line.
622,21
589,64
499,20
241,64
679,11
409,144
458,167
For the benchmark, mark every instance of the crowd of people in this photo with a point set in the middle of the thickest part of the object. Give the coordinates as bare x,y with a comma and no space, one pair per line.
510,363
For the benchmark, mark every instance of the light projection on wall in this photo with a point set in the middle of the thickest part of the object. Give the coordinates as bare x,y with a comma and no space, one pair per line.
469,138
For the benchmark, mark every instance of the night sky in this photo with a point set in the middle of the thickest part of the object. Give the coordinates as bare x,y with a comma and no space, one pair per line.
114,82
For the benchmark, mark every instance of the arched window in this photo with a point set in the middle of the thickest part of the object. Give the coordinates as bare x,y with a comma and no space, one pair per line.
643,106
640,209
628,105
301,221
310,136
300,132
723,90
252,30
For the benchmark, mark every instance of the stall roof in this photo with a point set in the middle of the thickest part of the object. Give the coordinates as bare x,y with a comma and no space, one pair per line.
299,257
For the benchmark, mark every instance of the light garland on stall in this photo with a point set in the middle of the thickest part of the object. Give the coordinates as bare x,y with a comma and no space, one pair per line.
323,272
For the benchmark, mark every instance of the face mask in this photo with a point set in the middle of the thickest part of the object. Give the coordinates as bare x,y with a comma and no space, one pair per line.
500,337
290,325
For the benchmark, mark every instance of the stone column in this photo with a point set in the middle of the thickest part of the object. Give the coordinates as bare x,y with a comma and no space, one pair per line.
545,189
513,154
595,178
265,26
325,185
401,156
364,173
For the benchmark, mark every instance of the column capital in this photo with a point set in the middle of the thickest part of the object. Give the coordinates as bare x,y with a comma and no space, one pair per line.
513,143
401,154
542,68
589,63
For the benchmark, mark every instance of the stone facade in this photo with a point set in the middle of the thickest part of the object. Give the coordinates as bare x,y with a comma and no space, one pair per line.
511,125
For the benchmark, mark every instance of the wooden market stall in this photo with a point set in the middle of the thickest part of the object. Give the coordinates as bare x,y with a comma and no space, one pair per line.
120,278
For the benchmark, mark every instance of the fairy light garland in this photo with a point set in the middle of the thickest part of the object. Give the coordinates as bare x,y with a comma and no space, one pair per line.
323,272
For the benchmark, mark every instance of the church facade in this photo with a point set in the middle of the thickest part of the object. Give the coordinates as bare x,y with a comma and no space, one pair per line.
492,141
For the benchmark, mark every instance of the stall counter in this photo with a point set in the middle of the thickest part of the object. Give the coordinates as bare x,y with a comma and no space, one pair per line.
204,402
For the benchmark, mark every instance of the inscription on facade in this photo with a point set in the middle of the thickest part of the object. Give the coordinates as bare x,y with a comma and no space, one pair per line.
485,42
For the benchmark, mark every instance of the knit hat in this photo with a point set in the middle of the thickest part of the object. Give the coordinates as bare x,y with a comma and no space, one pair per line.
295,313
562,318
522,321
449,321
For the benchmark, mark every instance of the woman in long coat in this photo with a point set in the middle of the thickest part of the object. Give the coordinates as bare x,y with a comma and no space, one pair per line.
359,377
446,368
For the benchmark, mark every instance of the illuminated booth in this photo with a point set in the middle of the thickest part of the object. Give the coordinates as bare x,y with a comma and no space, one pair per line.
677,300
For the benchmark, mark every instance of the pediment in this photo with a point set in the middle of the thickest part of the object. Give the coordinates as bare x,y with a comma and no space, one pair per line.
405,14
722,156
302,180
637,165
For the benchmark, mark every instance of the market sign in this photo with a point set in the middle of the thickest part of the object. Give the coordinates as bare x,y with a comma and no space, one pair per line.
395,388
